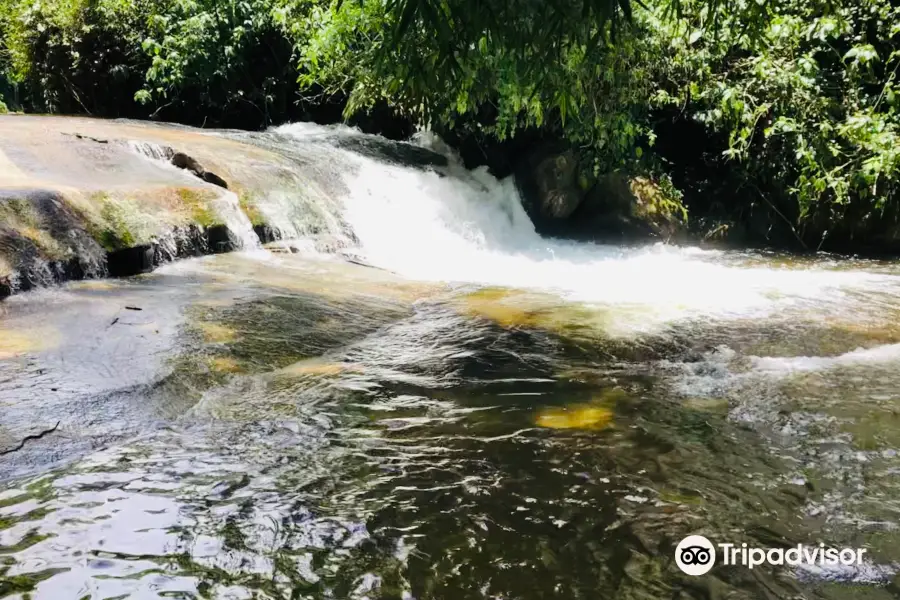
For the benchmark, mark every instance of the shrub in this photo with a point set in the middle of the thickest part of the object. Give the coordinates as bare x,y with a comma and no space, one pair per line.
803,97
222,62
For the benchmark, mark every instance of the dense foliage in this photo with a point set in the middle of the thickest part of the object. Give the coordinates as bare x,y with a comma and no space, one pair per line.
584,89
178,59
804,99
787,110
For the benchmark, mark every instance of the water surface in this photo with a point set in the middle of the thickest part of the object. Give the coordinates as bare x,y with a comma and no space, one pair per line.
479,413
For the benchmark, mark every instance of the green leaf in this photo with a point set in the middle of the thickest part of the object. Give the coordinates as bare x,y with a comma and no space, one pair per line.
862,54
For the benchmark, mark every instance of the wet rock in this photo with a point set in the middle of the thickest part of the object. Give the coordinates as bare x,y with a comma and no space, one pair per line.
628,209
181,243
80,199
189,241
401,153
183,161
548,182
40,274
42,241
266,234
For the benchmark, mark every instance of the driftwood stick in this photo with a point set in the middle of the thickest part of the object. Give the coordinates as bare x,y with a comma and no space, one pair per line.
36,436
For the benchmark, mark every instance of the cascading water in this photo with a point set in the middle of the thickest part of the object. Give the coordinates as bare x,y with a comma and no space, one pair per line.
444,223
226,207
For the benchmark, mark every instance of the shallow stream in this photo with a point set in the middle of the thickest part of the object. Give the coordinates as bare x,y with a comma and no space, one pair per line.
417,397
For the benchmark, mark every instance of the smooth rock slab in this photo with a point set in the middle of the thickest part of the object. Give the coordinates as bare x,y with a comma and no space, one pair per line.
88,198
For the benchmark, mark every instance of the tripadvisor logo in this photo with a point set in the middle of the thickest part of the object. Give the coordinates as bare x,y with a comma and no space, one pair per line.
696,555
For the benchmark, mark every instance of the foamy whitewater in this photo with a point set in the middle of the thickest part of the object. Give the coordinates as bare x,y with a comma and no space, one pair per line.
467,226
863,356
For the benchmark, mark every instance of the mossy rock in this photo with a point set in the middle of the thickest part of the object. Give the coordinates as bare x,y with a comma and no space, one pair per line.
662,210
630,208
78,197
128,218
248,205
549,183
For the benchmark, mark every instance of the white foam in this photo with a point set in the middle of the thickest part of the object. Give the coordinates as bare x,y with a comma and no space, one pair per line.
228,208
470,227
879,355
313,131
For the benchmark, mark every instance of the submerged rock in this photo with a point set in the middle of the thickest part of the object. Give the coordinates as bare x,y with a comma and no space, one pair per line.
16,343
582,416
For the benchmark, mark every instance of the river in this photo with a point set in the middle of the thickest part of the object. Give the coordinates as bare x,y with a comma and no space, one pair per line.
416,396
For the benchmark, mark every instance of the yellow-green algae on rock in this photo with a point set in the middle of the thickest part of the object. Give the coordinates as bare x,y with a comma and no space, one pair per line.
510,307
596,414
17,343
516,308
576,416
215,333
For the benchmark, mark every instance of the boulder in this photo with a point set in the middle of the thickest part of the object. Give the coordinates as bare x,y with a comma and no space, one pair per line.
630,209
548,183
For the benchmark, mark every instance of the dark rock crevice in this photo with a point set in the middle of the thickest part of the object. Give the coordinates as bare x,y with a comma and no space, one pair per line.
186,242
182,161
185,162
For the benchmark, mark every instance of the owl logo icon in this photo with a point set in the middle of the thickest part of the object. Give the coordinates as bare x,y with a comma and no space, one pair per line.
695,555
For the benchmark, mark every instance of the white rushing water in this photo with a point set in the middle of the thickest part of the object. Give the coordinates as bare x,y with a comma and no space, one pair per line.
462,226
888,353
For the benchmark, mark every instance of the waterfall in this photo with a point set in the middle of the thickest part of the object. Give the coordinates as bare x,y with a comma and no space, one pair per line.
445,223
228,208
